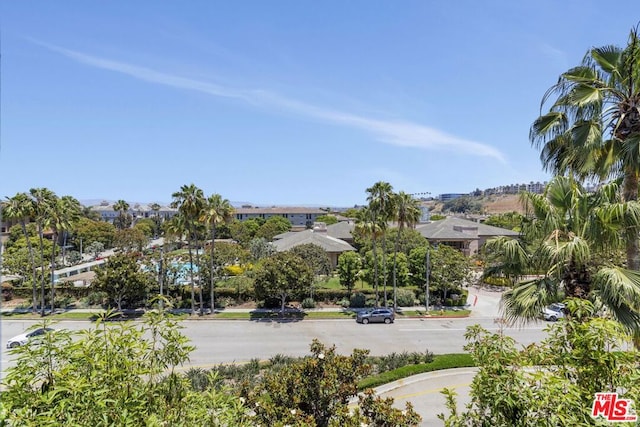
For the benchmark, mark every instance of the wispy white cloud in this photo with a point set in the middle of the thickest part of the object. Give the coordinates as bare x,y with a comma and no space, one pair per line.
557,56
396,132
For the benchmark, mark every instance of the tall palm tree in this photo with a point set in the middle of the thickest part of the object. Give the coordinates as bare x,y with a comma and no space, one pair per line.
592,128
62,212
366,228
380,200
189,201
42,199
155,207
570,240
122,207
216,211
406,214
20,208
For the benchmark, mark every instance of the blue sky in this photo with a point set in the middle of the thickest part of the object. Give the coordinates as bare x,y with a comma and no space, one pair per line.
283,102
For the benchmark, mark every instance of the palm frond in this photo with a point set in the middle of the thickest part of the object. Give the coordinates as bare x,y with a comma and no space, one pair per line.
525,301
618,286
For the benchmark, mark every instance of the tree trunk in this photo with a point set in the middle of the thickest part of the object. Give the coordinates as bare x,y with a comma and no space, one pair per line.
395,268
384,268
53,269
32,260
193,290
199,276
375,271
212,279
630,193
40,232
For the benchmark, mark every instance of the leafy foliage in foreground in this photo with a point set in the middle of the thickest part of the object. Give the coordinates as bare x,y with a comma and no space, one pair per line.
112,375
317,390
552,383
124,374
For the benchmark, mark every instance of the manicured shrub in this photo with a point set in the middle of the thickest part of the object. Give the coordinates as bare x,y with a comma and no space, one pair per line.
7,291
405,297
95,298
308,303
358,300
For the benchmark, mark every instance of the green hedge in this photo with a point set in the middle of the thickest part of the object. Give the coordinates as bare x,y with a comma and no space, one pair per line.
442,361
497,281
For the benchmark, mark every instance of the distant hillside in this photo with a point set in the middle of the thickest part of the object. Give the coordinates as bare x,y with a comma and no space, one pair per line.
494,204
501,204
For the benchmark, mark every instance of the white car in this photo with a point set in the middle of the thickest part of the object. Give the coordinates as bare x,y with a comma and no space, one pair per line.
22,339
554,311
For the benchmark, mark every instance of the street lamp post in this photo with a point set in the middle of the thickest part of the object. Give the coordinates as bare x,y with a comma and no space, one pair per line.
426,282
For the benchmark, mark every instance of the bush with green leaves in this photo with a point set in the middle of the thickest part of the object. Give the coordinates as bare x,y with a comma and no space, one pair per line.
308,303
96,298
552,383
405,297
120,374
358,300
316,391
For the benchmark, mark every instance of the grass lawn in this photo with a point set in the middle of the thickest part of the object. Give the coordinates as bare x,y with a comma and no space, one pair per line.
334,283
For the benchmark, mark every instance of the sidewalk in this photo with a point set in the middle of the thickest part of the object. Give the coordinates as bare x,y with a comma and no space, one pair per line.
482,302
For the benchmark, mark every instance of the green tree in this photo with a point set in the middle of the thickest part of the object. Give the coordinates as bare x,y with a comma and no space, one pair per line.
89,213
95,249
381,208
417,265
281,276
406,213
20,208
449,270
573,237
351,213
366,230
592,128
189,201
122,279
157,219
42,199
62,212
552,383
316,391
216,211
124,219
315,257
508,220
16,259
463,204
86,231
130,240
112,376
349,265
147,226
260,248
273,226
327,219
244,231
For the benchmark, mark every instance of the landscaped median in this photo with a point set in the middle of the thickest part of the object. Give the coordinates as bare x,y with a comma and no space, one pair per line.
440,362
255,314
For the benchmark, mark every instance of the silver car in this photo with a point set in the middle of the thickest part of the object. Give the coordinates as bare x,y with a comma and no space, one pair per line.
375,315
554,311
22,339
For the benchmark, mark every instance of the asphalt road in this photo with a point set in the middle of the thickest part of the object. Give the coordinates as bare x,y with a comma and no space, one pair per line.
225,341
